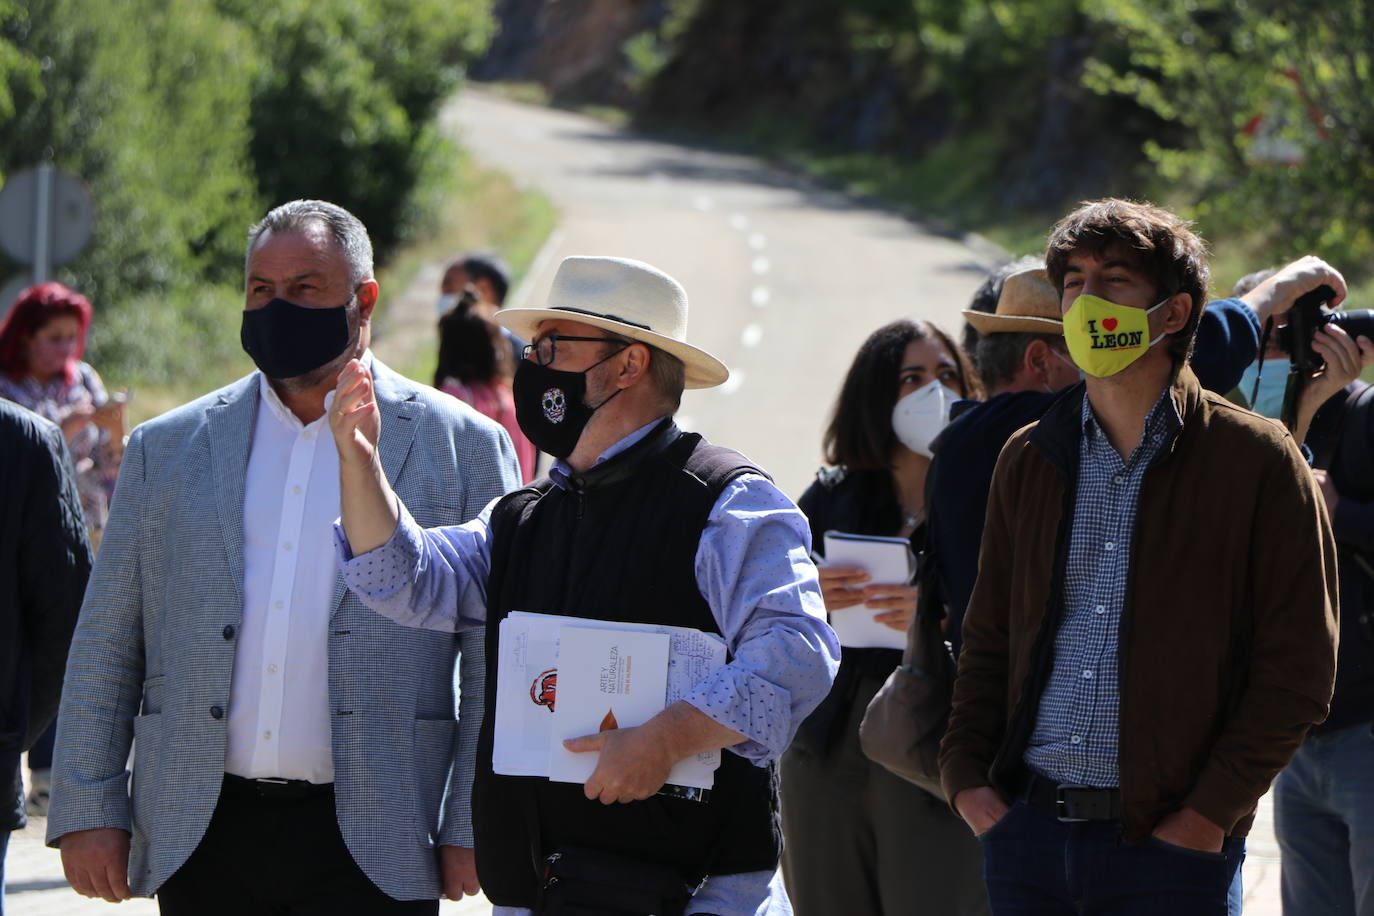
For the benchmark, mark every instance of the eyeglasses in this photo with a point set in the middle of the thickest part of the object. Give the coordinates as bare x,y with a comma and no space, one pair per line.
545,349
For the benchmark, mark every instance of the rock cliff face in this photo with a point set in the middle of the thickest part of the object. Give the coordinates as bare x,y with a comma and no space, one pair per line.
573,48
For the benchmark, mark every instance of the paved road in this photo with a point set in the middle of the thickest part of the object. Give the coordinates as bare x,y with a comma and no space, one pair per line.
785,281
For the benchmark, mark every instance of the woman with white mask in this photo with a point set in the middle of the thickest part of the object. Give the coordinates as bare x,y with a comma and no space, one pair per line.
856,835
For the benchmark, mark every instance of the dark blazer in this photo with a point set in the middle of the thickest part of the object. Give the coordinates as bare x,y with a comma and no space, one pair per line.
44,562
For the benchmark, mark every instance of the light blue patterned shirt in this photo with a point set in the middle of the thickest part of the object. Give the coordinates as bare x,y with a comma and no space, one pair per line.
753,567
1075,737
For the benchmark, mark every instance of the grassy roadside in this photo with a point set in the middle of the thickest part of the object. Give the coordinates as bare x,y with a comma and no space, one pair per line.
169,356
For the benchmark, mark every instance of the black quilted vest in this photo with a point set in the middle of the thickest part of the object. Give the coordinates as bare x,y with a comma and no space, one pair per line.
620,545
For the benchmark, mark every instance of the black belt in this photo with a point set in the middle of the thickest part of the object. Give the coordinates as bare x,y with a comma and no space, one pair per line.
1072,804
277,789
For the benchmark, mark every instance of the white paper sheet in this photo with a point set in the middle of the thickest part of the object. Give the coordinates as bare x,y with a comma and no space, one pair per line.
607,679
888,561
528,647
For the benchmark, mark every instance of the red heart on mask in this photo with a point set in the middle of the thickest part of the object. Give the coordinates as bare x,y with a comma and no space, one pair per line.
1109,324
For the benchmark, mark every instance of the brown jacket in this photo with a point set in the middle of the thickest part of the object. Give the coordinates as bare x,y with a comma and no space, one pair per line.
1228,636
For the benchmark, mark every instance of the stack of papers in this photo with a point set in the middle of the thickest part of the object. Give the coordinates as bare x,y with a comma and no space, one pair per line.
563,677
888,561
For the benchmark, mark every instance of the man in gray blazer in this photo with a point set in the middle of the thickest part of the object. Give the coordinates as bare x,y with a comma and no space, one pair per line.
292,751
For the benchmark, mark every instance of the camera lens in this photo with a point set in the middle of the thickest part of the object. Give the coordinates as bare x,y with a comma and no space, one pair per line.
1359,323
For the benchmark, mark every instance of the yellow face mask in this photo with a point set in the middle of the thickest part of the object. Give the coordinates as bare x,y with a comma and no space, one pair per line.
1104,338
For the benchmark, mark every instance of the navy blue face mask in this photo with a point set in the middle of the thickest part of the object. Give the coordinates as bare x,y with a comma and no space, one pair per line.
286,340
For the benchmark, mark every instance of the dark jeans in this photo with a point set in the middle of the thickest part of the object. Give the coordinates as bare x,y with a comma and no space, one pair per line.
4,847
1036,866
11,809
1324,817
40,755
277,857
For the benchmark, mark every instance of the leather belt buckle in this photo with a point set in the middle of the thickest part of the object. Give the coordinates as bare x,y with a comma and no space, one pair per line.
1077,804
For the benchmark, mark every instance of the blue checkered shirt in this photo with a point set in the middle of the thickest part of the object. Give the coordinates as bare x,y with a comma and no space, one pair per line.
1075,736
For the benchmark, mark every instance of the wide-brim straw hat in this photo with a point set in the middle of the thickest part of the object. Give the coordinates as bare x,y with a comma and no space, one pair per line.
625,297
1029,303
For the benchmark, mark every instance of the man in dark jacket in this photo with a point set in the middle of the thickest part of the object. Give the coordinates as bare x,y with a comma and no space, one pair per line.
44,561
1019,352
1153,627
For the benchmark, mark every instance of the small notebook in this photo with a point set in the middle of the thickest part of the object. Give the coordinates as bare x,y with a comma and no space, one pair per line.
887,560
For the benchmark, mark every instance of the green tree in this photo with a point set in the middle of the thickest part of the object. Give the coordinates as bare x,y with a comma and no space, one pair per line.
1274,96
344,106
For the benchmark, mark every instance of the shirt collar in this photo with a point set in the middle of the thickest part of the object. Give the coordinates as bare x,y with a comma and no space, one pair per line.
267,395
560,471
1161,422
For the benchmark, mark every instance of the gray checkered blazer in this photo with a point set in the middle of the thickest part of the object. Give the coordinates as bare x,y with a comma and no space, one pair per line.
150,660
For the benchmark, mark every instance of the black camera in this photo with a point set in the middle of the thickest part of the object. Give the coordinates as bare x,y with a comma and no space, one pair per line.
1307,316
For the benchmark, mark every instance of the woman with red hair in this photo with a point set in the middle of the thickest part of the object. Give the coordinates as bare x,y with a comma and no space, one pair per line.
41,342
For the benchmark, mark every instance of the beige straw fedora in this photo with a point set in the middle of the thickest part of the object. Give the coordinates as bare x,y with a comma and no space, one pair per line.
626,297
1028,302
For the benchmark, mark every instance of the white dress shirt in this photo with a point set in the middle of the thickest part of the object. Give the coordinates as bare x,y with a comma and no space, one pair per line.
279,696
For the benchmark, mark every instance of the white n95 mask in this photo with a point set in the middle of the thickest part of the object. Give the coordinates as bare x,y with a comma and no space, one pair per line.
920,416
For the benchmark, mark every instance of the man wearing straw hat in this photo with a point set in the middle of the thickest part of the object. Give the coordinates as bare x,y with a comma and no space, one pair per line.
638,521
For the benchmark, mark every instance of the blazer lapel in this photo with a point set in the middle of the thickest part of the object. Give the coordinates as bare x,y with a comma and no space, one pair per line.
400,412
230,423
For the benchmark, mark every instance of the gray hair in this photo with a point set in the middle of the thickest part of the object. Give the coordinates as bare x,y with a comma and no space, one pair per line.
667,373
997,357
343,227
1248,282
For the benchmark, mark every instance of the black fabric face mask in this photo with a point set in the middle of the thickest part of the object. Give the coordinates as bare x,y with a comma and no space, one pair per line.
287,340
550,405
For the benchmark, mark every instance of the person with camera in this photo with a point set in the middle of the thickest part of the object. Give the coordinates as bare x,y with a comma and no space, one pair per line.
1153,627
1324,798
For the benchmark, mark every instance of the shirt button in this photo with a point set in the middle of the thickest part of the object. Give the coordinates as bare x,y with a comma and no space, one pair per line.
1076,739
216,712
1100,609
267,736
279,605
271,669
309,434
1116,479
228,631
1110,545
1088,674
296,490
287,546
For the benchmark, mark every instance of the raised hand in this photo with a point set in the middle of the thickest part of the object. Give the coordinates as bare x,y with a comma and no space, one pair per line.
354,418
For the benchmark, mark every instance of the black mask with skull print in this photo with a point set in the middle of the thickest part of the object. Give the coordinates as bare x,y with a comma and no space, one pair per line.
551,406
